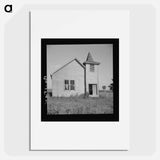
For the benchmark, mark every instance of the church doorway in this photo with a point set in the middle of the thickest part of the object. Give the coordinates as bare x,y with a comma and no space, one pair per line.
92,90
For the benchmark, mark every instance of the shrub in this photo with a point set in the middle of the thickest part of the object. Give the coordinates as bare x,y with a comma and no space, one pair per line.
86,95
81,96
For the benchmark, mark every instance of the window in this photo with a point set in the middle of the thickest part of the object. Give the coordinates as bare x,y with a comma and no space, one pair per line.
91,67
69,84
66,84
72,85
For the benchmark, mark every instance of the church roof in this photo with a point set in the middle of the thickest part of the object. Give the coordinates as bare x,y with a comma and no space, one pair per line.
90,60
75,59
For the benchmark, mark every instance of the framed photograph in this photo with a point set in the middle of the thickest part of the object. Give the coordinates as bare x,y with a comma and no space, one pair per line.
80,79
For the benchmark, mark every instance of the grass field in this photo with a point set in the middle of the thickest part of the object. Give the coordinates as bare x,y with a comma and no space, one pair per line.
80,105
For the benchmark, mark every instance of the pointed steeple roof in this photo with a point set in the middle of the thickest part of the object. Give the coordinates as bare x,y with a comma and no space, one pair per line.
89,57
90,60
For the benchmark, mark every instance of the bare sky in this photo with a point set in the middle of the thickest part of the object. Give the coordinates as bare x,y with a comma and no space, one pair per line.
59,55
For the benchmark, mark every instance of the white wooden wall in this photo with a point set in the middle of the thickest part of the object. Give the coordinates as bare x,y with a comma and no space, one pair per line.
72,71
92,77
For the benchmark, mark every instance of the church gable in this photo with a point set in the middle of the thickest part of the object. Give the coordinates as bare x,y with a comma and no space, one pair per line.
74,60
68,80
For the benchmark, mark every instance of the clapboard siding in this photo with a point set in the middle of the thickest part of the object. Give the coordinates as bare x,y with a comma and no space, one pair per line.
72,71
92,77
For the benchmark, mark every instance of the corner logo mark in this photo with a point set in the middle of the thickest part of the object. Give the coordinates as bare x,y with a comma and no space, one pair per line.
8,8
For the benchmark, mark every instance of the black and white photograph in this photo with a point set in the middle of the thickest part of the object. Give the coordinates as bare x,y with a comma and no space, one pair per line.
78,79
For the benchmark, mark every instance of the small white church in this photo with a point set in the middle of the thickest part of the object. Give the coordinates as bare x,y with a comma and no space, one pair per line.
75,78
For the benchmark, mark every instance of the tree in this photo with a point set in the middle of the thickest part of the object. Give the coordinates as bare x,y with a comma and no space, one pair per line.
111,86
104,87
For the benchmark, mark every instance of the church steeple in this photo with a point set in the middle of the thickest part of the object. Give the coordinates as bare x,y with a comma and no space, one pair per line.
91,79
89,57
90,60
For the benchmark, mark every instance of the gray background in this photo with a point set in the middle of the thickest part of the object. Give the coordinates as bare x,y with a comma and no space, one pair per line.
142,82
